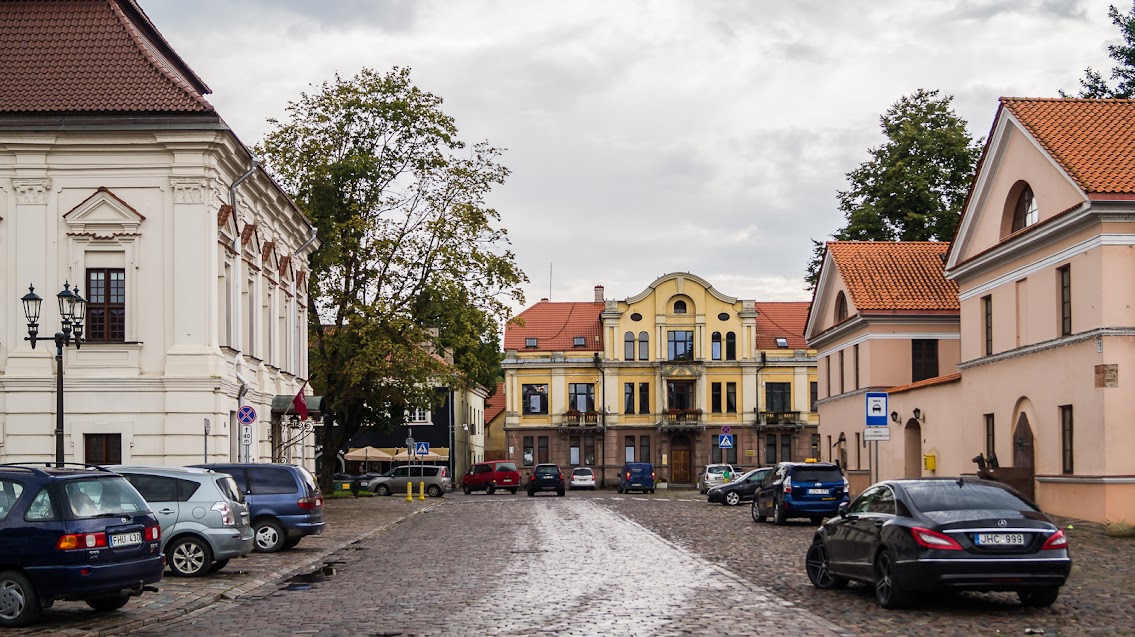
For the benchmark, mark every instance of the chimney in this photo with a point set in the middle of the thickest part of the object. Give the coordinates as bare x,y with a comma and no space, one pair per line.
599,294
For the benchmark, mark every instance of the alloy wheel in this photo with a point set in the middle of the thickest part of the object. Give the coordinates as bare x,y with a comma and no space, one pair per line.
819,568
12,599
732,498
188,558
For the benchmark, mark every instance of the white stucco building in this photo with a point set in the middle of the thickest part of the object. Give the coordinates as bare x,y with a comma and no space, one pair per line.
115,176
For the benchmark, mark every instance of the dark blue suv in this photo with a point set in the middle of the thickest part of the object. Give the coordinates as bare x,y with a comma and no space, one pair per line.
283,500
812,490
72,534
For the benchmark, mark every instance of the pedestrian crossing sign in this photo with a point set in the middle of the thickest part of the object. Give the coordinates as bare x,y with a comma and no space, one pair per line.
725,441
422,449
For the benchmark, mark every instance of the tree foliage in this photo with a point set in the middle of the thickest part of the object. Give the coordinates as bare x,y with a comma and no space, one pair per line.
407,243
1092,84
914,185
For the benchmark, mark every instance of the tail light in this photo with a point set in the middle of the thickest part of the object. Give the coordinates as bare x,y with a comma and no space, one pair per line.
628,475
79,541
443,472
153,533
788,485
934,540
227,517
311,502
561,476
846,485
1057,541
652,476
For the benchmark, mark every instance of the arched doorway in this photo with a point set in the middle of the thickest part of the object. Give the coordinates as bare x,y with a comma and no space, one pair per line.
1022,475
681,471
912,449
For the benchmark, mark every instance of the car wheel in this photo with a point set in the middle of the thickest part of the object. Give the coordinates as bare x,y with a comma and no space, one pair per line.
269,536
107,604
887,590
652,492
619,489
559,492
512,490
290,543
779,515
531,493
732,499
466,490
753,511
382,489
19,602
189,557
433,491
817,519
218,565
491,489
818,567
1039,597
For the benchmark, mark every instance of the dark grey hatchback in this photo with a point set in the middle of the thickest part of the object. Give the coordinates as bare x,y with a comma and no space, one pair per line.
908,536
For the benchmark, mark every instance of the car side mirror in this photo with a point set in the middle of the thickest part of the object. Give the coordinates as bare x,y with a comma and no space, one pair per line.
843,508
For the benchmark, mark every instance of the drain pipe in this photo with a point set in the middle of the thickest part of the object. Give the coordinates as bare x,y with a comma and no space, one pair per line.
234,305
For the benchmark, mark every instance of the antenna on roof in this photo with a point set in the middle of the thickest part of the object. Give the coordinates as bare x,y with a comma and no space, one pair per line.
549,281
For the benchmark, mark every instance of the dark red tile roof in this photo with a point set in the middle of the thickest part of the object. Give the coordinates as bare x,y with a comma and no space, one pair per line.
555,325
895,276
91,56
495,404
929,382
1093,140
783,320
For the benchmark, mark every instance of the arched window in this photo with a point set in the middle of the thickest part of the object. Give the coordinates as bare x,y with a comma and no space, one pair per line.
628,346
840,308
730,346
679,307
715,348
1025,214
643,346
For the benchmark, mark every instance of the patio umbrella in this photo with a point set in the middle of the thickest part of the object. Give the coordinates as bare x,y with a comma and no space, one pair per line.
367,454
405,455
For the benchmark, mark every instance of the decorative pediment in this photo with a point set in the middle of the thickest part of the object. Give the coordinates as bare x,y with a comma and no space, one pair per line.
224,214
248,233
285,266
103,216
267,252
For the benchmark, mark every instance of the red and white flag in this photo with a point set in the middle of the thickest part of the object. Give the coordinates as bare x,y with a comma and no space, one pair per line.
300,404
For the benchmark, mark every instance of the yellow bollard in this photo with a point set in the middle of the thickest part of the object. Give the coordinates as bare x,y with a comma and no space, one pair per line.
409,491
422,490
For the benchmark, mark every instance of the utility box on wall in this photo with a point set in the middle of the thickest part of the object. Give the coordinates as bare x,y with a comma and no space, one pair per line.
930,462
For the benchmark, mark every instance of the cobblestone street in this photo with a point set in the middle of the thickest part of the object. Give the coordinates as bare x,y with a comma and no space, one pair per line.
586,564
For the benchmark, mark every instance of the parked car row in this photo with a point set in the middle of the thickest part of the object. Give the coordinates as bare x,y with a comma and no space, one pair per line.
105,534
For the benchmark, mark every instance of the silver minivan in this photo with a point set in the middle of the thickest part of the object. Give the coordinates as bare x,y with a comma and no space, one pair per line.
204,520
394,481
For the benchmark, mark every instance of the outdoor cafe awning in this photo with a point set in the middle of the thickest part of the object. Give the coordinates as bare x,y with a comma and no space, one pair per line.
404,455
367,454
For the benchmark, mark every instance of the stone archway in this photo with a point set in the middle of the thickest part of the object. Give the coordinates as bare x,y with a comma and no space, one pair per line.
681,459
1022,474
912,449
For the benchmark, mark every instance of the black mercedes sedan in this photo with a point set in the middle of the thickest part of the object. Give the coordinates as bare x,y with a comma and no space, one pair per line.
741,489
909,536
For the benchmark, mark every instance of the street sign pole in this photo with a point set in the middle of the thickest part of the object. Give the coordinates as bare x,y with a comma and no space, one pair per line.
206,441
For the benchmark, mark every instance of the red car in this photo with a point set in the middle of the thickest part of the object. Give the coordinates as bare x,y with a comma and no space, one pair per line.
490,476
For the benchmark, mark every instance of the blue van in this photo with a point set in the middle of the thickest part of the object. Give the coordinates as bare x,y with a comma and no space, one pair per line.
636,476
72,534
283,500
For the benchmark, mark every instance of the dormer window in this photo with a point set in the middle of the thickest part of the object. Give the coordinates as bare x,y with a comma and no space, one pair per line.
531,341
579,341
1025,214
679,307
782,342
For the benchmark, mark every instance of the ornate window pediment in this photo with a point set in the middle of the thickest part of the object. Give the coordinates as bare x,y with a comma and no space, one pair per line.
104,217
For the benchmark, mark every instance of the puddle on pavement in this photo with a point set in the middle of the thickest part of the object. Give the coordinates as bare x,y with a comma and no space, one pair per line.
305,581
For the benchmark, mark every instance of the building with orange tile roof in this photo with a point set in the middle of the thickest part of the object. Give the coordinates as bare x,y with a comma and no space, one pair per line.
659,377
1026,320
116,173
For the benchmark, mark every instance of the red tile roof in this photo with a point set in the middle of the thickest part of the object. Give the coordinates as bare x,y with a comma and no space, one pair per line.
928,382
555,325
495,404
895,276
782,320
1093,140
91,56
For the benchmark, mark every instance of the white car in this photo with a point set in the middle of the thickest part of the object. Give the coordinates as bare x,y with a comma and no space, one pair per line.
582,478
713,475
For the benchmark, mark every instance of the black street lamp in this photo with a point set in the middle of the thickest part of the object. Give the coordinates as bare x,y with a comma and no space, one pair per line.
72,309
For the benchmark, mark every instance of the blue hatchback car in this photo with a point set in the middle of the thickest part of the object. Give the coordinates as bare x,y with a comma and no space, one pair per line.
636,476
812,490
283,500
72,534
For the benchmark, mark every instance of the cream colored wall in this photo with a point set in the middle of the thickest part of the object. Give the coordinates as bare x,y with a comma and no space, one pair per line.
825,315
1019,159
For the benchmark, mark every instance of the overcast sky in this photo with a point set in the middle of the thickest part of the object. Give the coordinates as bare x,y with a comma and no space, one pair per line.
653,137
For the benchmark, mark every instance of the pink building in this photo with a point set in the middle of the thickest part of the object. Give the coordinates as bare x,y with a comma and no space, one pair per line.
1042,319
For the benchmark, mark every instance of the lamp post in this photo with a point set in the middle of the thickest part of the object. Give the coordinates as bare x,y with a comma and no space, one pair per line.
72,309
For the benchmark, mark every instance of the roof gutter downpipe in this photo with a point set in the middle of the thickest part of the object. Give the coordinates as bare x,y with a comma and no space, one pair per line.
234,302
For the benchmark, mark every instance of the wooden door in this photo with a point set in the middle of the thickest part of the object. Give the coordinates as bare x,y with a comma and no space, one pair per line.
1021,475
680,466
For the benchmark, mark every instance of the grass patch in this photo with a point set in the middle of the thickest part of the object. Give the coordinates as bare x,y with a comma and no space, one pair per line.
336,495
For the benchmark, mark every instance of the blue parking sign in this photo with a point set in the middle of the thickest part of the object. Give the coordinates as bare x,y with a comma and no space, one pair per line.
725,441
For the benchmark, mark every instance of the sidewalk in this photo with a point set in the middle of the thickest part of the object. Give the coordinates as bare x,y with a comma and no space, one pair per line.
348,520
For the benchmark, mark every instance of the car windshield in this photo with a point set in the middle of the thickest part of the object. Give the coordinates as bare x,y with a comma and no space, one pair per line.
103,497
715,469
817,474
506,466
547,469
581,472
951,495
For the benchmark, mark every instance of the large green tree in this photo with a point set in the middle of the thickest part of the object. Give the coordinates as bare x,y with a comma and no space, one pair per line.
913,186
407,243
1092,84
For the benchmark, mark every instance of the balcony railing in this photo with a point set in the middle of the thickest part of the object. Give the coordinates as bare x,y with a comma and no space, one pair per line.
778,417
684,417
581,418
